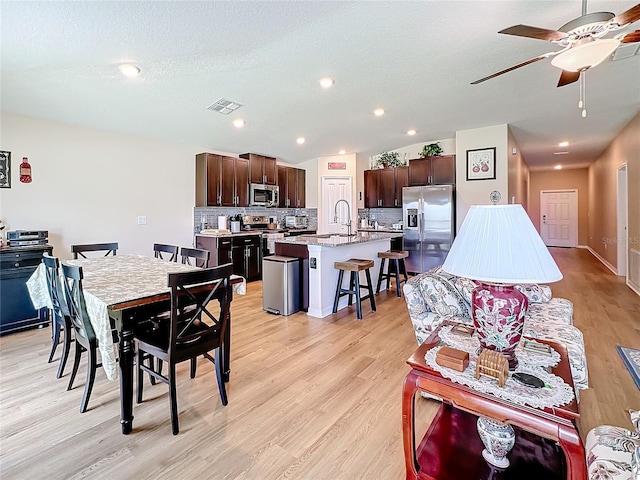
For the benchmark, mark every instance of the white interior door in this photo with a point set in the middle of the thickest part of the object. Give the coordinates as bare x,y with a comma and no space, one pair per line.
334,189
559,218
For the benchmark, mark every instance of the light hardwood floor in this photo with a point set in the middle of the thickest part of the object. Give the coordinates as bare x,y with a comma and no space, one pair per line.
308,398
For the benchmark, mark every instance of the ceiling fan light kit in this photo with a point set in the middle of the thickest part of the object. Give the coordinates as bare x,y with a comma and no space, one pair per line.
585,55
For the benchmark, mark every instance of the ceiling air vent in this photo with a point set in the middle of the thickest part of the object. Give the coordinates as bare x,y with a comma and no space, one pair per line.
224,106
625,50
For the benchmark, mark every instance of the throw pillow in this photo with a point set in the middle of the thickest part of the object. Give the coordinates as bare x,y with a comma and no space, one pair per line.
442,297
535,293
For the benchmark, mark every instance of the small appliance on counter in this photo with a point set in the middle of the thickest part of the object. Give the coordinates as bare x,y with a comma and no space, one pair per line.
296,221
235,223
222,222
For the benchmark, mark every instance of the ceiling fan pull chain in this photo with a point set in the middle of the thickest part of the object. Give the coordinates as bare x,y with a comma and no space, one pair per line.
583,94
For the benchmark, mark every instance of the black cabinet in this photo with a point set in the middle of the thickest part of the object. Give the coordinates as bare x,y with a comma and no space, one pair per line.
17,264
243,251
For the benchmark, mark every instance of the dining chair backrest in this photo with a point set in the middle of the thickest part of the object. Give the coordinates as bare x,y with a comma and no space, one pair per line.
56,293
74,296
110,248
195,256
198,324
171,250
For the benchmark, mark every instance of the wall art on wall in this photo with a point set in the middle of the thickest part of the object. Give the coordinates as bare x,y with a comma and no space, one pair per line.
5,169
481,164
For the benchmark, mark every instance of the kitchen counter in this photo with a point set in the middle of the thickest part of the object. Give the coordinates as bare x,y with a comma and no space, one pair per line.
339,240
322,251
242,233
385,229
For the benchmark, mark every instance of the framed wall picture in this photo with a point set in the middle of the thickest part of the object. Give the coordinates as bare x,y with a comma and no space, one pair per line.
5,169
481,164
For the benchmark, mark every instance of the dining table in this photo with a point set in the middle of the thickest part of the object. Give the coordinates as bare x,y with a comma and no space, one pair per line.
120,292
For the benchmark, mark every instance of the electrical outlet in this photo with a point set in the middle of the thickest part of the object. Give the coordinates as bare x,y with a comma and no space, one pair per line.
142,219
312,262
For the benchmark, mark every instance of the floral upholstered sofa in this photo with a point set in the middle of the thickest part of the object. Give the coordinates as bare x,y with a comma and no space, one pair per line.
435,296
613,453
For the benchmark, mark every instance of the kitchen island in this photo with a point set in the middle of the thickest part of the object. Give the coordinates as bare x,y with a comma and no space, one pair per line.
322,251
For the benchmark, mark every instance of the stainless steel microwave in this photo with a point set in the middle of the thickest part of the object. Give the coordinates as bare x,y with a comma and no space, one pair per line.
264,195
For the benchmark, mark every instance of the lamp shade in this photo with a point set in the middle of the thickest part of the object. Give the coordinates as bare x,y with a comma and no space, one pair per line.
499,244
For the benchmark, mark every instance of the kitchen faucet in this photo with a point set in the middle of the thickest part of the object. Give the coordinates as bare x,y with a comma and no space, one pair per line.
335,215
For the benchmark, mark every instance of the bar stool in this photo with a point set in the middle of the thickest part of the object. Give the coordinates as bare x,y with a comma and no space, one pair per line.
354,265
396,258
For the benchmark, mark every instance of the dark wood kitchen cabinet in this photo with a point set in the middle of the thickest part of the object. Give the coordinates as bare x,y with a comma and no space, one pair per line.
221,181
17,264
262,169
383,187
439,170
292,187
243,251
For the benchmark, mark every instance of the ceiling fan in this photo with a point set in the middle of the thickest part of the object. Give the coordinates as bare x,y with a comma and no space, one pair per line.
581,40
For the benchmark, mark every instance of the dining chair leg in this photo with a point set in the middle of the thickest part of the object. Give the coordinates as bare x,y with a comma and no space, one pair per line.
91,376
173,398
159,370
221,387
192,369
76,362
55,338
66,346
139,360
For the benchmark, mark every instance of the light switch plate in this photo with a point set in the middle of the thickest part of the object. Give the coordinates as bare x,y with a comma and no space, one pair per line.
142,219
312,262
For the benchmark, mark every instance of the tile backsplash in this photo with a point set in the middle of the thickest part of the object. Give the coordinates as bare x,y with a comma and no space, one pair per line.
210,214
385,216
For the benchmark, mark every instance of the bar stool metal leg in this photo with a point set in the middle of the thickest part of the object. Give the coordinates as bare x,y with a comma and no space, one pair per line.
338,288
372,300
356,277
380,276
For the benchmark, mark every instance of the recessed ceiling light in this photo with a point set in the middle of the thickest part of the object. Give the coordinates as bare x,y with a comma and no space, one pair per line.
558,167
327,82
411,132
129,70
378,112
560,153
300,140
563,144
238,123
342,152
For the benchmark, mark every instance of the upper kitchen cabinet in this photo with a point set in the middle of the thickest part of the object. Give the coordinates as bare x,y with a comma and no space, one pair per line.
261,169
292,187
221,181
439,170
383,187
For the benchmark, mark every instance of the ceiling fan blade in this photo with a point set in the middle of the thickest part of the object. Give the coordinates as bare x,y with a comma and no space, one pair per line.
528,62
568,77
631,37
534,32
629,16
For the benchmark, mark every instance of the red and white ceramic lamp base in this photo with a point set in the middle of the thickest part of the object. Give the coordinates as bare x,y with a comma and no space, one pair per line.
498,315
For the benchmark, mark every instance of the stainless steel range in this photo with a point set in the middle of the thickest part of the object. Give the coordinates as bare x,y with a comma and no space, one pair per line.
261,223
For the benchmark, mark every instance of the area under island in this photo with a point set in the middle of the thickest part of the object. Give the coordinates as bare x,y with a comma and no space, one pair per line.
322,251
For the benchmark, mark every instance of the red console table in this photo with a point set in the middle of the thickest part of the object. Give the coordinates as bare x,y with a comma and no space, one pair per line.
547,441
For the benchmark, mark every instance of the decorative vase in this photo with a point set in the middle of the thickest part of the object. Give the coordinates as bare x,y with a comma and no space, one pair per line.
498,441
498,315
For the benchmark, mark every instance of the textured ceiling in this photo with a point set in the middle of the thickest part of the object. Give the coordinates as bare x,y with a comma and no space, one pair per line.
415,59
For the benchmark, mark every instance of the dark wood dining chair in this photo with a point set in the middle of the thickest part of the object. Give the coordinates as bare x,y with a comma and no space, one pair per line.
195,256
196,331
165,252
85,336
61,322
110,248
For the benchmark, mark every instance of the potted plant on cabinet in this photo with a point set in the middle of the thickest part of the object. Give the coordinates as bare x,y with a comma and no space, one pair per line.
389,159
431,150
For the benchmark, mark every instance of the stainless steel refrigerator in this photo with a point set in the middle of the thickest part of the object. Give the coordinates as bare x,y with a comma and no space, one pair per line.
429,219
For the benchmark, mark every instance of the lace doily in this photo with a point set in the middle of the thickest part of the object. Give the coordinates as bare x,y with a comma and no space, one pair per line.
554,394
471,346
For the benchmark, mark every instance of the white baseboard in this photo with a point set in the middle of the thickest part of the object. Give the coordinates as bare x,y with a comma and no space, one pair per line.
603,261
633,287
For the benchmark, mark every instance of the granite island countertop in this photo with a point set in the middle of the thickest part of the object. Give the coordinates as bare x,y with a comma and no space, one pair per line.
337,240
